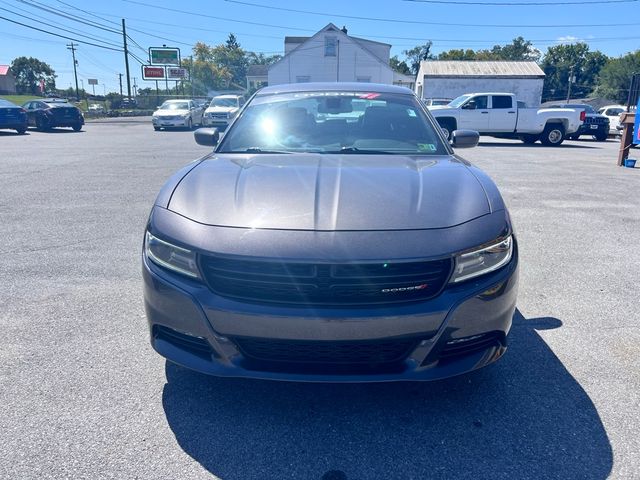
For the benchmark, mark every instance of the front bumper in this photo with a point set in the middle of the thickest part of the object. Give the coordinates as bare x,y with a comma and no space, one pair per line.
173,123
215,122
462,329
586,129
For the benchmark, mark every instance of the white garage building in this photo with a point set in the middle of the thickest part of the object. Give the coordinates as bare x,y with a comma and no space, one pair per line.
450,79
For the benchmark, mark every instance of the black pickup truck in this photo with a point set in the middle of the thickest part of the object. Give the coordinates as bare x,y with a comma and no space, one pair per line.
594,124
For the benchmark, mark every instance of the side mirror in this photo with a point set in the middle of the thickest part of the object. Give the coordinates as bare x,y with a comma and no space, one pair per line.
464,138
207,136
470,105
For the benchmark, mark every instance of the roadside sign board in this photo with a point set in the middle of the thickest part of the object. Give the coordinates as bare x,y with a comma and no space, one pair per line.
164,56
93,81
149,72
177,73
636,127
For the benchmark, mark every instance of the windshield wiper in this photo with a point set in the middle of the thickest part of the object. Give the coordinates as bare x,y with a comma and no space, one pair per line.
256,150
359,151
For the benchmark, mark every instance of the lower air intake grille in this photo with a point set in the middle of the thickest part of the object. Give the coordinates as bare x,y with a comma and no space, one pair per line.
373,352
468,345
196,345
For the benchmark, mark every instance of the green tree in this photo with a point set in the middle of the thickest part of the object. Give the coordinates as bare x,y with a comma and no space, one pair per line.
417,54
261,59
457,54
563,61
519,50
399,65
29,72
615,76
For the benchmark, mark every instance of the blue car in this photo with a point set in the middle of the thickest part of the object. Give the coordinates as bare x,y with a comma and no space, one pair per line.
12,117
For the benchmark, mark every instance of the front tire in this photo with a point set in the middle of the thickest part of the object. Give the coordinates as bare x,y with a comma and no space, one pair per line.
601,137
447,127
21,131
157,129
42,124
553,135
77,127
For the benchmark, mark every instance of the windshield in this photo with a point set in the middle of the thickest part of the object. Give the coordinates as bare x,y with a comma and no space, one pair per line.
175,106
456,102
224,102
333,122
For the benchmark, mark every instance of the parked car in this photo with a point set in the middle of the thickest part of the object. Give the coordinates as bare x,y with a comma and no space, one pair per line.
177,113
49,113
612,112
13,117
500,115
222,110
96,108
128,102
433,102
318,246
594,124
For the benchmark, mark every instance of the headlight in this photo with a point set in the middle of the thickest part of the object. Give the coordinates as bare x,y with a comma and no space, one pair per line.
170,256
481,261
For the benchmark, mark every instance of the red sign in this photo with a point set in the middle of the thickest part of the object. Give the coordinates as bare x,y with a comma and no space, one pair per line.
152,73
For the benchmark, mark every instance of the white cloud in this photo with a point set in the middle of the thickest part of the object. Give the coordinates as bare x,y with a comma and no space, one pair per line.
567,39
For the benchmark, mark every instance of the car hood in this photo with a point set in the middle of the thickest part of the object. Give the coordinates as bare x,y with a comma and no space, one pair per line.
220,109
170,113
330,192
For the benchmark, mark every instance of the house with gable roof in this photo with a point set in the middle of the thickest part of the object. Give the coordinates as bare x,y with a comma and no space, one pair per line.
331,55
7,81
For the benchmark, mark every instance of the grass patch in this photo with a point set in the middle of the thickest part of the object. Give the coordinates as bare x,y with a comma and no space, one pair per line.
19,99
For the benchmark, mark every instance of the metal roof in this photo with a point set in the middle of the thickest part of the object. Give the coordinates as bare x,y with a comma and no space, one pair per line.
4,69
448,68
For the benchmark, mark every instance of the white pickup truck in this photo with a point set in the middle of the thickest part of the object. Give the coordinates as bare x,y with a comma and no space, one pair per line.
500,115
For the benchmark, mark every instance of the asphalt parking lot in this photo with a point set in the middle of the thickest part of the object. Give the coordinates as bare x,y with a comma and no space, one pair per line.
84,395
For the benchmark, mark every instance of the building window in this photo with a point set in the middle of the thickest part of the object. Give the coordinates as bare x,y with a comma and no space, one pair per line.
330,46
303,79
363,79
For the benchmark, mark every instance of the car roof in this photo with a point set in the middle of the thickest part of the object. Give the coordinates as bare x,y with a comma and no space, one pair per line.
51,100
334,87
227,96
177,100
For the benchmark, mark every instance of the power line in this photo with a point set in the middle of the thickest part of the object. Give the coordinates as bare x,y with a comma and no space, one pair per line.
58,35
518,4
420,22
200,14
106,42
74,18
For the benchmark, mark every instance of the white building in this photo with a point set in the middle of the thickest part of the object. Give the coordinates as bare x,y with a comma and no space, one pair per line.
450,79
333,56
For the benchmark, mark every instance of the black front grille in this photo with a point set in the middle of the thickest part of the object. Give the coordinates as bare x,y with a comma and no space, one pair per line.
317,284
366,353
596,120
196,345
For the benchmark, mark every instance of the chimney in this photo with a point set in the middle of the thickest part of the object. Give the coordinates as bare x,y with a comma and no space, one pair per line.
344,29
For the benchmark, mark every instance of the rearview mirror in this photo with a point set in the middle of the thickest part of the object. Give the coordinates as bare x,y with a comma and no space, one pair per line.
464,138
207,136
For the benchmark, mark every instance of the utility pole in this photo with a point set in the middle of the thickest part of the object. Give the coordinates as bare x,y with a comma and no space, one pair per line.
126,58
120,77
571,80
72,46
135,87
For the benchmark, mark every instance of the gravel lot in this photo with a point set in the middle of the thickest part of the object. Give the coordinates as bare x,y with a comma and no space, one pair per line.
84,395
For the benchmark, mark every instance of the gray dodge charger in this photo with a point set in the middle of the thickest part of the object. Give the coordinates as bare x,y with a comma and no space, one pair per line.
332,235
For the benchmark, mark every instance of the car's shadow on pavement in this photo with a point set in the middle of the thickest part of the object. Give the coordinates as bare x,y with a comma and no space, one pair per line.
7,133
524,417
534,145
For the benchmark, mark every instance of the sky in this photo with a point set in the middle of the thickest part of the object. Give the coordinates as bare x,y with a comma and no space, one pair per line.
611,26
